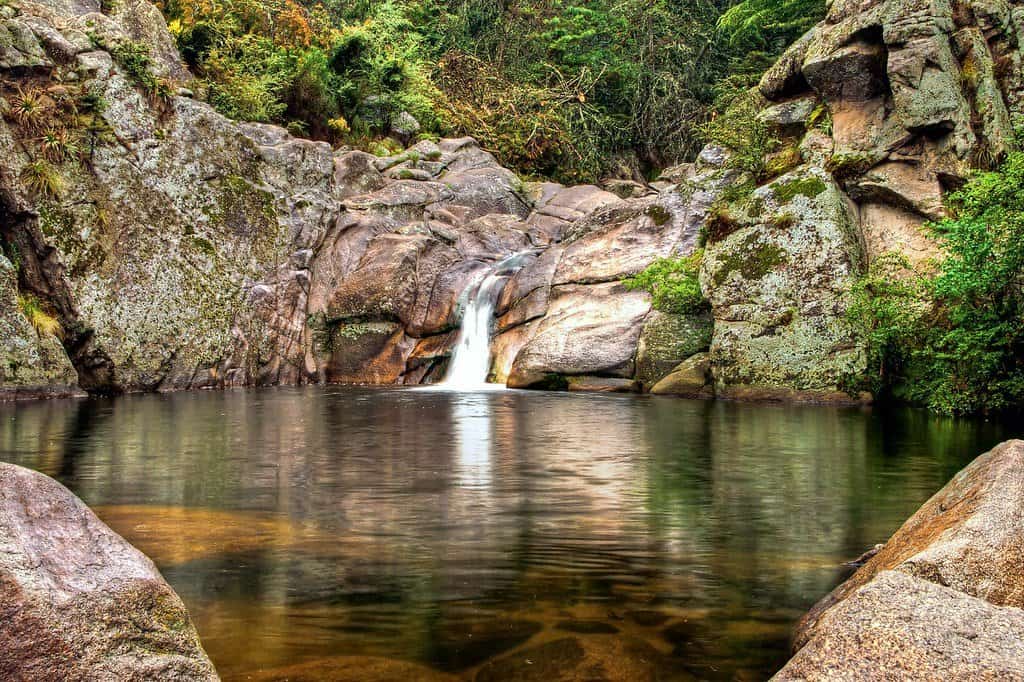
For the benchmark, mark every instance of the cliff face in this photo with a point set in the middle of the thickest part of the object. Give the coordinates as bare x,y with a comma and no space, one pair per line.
178,249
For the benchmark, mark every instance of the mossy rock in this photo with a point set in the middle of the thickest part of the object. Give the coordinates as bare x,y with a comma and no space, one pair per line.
667,340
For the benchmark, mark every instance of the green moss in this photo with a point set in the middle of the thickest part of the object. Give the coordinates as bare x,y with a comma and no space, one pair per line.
752,258
204,245
846,166
553,382
809,187
782,221
719,224
659,214
783,161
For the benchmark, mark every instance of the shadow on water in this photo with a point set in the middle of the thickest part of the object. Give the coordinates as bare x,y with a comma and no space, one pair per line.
433,533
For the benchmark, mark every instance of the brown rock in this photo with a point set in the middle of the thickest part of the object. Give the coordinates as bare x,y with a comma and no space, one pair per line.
384,285
690,379
77,602
492,237
969,536
355,174
587,384
899,627
367,353
351,669
621,240
609,658
588,330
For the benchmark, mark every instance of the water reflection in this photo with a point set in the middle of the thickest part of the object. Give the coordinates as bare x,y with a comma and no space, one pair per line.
471,415
446,529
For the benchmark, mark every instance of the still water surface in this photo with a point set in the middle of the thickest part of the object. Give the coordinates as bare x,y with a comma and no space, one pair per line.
495,535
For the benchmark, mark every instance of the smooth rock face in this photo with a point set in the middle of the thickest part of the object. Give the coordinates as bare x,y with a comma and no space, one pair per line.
941,599
77,602
898,627
588,330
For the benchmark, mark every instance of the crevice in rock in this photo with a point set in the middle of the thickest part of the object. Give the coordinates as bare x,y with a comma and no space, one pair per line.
41,274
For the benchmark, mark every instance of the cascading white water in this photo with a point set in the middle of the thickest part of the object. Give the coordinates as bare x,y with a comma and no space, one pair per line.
471,357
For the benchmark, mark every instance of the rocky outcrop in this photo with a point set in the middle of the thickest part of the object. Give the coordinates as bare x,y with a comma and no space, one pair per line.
77,601
881,108
32,362
945,593
178,249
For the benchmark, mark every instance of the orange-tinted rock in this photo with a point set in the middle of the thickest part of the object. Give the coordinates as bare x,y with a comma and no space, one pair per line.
608,658
351,669
969,536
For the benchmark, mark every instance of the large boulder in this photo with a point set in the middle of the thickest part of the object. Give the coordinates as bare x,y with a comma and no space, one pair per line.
941,599
77,602
778,278
588,329
898,627
969,536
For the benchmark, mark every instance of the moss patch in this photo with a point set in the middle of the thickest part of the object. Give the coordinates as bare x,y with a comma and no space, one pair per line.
847,166
552,382
659,214
752,258
809,187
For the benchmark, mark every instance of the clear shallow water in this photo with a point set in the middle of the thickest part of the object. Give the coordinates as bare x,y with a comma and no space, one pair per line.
453,530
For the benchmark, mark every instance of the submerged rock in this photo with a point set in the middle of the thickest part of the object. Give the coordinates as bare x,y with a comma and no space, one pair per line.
608,658
351,669
77,602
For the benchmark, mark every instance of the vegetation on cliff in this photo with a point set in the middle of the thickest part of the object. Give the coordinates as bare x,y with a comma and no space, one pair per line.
953,339
561,88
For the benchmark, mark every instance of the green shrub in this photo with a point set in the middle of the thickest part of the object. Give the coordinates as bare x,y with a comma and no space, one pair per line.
739,130
133,57
954,339
673,284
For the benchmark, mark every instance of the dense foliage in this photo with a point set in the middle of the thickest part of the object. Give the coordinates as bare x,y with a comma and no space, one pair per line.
561,88
954,339
673,284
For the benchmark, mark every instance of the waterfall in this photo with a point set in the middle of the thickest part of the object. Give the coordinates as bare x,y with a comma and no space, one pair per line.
471,357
